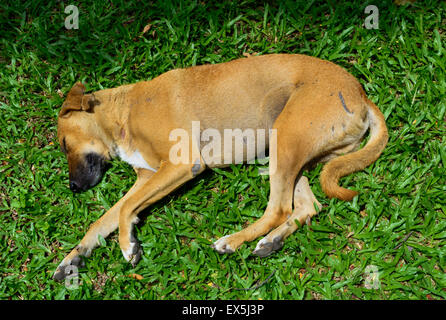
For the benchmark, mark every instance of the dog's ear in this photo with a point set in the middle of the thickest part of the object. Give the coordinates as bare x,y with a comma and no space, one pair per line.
88,102
77,101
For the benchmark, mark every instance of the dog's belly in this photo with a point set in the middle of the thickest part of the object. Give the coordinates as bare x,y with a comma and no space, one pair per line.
232,136
233,146
239,134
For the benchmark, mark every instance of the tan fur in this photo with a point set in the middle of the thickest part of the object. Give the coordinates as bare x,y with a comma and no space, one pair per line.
349,163
319,111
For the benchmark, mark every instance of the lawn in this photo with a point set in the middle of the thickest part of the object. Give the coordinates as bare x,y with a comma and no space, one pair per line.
388,243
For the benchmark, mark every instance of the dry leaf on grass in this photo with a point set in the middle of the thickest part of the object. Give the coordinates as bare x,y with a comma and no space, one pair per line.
136,276
146,28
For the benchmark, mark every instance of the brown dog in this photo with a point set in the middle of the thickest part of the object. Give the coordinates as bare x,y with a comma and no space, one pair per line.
307,109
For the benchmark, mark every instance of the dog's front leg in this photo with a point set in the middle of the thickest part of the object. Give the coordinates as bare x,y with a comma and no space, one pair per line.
103,227
164,181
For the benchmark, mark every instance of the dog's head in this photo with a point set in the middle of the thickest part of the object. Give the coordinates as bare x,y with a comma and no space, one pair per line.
81,139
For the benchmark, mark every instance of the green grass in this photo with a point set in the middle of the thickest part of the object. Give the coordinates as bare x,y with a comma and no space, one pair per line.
398,222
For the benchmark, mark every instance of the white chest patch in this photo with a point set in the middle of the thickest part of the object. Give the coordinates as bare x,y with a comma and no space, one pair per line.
136,160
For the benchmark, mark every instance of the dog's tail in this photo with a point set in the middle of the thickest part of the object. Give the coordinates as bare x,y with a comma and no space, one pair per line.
358,160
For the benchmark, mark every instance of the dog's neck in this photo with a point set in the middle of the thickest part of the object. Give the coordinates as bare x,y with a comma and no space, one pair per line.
112,116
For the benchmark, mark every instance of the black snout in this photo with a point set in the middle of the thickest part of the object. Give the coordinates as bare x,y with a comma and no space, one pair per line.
74,186
88,173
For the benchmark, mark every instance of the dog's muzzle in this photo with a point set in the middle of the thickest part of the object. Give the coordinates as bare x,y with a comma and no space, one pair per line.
88,173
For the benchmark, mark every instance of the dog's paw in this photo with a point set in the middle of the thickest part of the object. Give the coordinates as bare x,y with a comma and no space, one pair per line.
133,253
265,246
222,245
67,268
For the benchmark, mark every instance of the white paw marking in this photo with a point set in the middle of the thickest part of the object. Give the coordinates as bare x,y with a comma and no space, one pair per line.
129,253
222,246
261,243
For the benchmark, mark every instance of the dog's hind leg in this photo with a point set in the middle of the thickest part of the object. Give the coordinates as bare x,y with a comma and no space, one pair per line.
340,129
102,227
305,207
287,157
279,207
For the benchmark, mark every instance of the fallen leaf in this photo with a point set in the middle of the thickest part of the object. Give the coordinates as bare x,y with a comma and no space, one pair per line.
136,276
146,28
